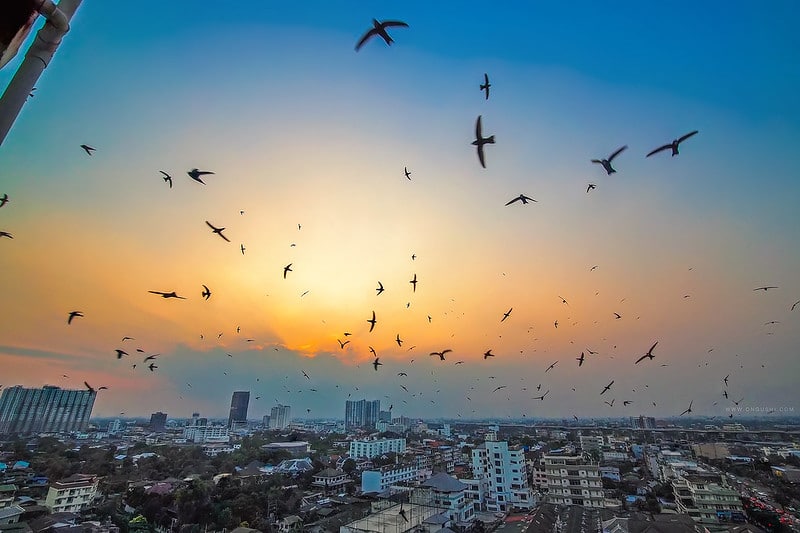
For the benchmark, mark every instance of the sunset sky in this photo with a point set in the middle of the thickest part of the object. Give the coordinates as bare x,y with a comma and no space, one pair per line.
308,140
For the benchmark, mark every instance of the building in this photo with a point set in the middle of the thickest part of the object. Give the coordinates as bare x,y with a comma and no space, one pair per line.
297,448
265,421
331,479
239,403
46,410
501,477
279,417
591,442
361,413
643,422
387,476
200,432
114,427
376,448
707,498
158,421
573,480
450,493
72,494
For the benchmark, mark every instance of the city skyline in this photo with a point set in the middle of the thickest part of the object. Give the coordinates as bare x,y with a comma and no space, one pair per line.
339,172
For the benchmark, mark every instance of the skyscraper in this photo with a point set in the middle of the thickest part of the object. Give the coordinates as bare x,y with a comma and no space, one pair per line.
158,421
46,410
279,416
239,403
361,413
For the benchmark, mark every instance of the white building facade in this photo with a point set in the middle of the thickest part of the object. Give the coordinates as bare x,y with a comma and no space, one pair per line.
573,480
502,477
376,448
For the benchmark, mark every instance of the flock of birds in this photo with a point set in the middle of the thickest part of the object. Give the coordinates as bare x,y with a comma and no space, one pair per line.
379,29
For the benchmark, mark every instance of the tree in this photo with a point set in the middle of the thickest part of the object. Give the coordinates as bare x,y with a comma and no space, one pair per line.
349,466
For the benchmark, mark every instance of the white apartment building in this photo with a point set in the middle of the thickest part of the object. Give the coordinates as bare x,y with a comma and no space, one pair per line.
72,494
591,442
450,493
538,474
202,433
381,479
280,416
706,498
502,477
376,448
573,480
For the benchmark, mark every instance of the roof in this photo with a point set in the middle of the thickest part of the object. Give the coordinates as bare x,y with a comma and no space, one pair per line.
440,519
444,483
330,472
10,511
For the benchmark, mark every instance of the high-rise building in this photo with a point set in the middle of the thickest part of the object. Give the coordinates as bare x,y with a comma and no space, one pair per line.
114,427
501,476
280,416
46,410
361,413
158,421
573,480
239,403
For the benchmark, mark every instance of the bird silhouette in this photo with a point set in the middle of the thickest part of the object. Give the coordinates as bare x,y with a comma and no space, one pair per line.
380,288
795,305
399,340
88,149
167,178
506,314
152,367
541,398
72,315
196,173
648,355
487,354
342,344
242,248
766,288
206,292
120,353
521,198
480,140
607,387
441,354
580,359
688,409
167,294
606,163
217,230
6,234
551,367
306,375
413,283
674,144
376,363
287,268
407,173
379,28
372,322
3,199
590,187
485,85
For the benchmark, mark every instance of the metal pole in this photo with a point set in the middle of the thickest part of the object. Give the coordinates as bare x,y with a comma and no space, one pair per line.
36,60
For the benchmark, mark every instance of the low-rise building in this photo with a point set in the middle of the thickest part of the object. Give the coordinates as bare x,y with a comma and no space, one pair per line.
382,478
707,498
376,448
297,448
450,493
72,494
331,479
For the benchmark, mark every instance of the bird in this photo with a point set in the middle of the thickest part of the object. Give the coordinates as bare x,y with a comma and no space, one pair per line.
126,338
4,199
521,198
376,363
372,350
441,354
167,178
487,354
150,358
794,305
407,173
555,324
399,340
120,353
765,289
607,162
242,248
342,344
626,402
167,294
725,379
674,144
380,288
379,28
206,293
287,268
72,315
580,359
372,322
306,375
688,409
498,388
725,394
89,387
506,314
607,387
217,230
480,140
541,398
590,187
563,301
485,85
88,149
152,367
402,512
196,173
611,403
402,374
413,283
648,355
617,316
551,367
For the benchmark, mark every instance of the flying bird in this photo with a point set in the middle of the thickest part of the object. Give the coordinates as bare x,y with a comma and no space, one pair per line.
167,294
487,354
89,387
563,301
88,149
3,199
794,305
480,140
372,322
196,173
498,388
72,315
120,353
287,268
380,288
617,316
765,288
6,234
152,367
242,248
607,387
441,354
506,314
167,178
688,409
217,230
674,144
372,350
402,374
126,338
551,367
379,28
413,283
342,344
206,293
399,340
407,173
485,85
150,358
521,198
607,162
541,398
648,355
580,359
590,187
376,363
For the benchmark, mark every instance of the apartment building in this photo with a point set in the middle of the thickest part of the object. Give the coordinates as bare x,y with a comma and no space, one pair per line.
707,498
72,494
500,477
382,478
573,480
376,448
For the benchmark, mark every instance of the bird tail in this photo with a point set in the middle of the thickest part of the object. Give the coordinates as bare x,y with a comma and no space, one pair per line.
490,139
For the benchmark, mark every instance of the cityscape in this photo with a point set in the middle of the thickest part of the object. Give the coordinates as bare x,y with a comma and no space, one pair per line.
418,268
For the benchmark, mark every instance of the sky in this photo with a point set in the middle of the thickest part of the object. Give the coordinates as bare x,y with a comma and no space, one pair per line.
308,140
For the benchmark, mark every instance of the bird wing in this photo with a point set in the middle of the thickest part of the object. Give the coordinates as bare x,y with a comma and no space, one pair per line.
478,128
390,23
157,292
681,139
597,161
514,200
480,156
365,38
642,358
615,154
659,149
650,351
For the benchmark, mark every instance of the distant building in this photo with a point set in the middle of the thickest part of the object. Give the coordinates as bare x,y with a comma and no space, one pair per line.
158,421
265,421
298,448
591,442
200,432
385,416
707,498
573,480
72,494
711,450
280,416
376,448
46,410
114,427
643,422
361,414
239,404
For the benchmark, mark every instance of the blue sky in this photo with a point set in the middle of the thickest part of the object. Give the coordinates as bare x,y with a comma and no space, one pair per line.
301,129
